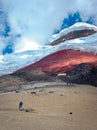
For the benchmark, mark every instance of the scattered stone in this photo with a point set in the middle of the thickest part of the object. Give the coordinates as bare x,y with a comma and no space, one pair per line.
33,92
61,94
70,113
17,91
35,87
75,91
27,110
51,91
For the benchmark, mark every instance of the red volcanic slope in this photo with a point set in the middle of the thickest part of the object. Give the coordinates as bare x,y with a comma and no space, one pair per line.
63,61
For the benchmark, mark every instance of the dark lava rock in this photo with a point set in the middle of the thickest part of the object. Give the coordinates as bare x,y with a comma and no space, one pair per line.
81,74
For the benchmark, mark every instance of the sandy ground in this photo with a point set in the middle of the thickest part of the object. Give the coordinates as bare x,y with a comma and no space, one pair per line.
60,108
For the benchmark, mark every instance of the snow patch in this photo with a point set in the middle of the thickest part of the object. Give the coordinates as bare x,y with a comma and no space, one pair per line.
77,26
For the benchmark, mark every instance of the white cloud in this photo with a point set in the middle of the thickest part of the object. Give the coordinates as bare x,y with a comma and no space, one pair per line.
26,44
1,58
36,20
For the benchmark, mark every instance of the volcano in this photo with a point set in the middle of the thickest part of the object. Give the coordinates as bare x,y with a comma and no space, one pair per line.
74,45
65,50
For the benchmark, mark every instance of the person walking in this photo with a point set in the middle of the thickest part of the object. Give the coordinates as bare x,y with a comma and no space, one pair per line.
20,105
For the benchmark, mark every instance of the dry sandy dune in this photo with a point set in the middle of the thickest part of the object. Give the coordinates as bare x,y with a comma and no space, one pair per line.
60,108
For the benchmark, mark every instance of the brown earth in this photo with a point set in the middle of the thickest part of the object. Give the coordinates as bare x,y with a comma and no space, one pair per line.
60,108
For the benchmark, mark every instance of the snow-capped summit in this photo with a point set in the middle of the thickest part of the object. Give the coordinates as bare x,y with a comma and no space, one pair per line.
75,27
82,25
76,44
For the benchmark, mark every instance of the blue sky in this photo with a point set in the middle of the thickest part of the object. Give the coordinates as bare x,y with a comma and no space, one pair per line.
71,19
26,25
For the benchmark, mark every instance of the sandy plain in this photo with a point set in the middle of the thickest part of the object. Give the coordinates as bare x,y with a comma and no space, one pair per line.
59,108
